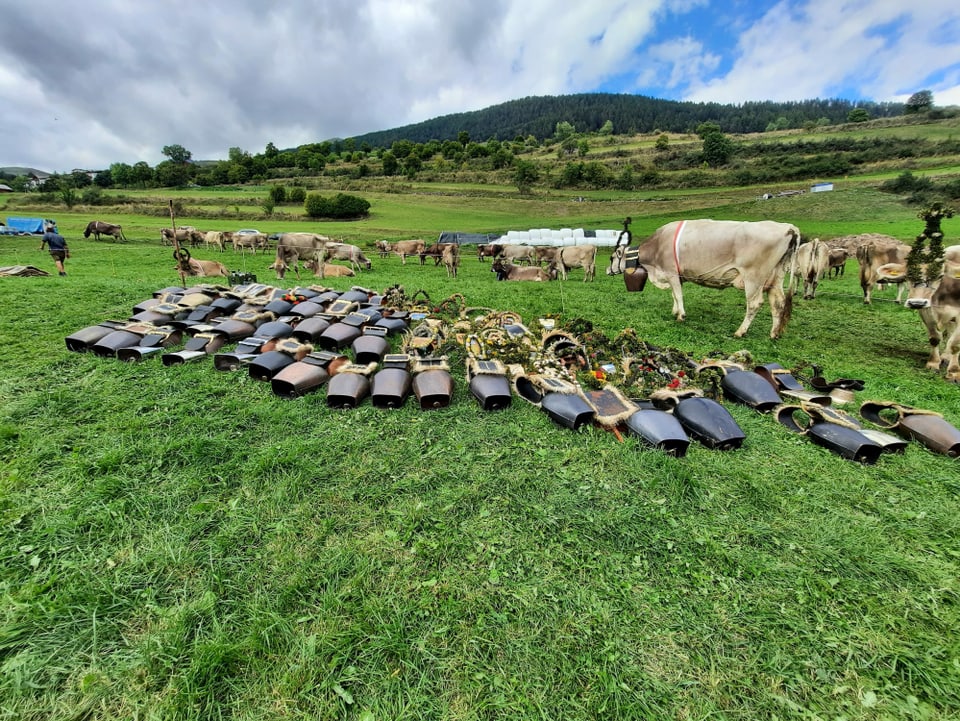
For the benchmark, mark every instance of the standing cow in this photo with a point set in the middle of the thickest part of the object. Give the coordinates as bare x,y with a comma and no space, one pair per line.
293,247
576,256
876,253
752,256
813,261
349,253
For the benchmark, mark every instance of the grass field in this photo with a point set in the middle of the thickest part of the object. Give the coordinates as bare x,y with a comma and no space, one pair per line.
179,543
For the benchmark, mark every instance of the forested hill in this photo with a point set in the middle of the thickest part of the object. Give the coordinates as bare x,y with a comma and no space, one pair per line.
538,116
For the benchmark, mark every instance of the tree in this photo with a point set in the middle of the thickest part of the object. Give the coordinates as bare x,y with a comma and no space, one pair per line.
390,163
858,115
717,149
606,128
525,174
103,179
177,153
583,147
663,141
278,193
919,102
563,130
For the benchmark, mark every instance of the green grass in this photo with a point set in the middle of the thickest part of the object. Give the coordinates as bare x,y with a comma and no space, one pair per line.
179,543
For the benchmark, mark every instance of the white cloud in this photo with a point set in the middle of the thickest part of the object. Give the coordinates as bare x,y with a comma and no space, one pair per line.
814,49
87,84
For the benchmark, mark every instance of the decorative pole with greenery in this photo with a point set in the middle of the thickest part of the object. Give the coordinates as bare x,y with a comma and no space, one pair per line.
928,247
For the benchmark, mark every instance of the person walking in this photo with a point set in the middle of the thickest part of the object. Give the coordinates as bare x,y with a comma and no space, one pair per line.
58,248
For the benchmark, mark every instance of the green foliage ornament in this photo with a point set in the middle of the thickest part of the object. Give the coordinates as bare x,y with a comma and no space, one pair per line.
928,247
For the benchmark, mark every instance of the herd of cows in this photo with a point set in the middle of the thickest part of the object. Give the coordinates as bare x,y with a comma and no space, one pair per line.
754,257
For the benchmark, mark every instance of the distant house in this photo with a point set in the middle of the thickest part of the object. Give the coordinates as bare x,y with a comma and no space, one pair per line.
5,188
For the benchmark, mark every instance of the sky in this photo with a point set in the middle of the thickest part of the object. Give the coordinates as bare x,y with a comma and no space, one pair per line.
89,83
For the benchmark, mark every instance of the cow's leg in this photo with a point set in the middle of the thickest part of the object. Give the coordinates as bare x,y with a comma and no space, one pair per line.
677,290
778,306
952,350
754,295
934,336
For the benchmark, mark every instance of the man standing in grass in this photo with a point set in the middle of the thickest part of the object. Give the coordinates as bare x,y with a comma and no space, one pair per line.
58,247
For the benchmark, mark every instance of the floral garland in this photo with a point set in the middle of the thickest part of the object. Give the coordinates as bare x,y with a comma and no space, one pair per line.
923,254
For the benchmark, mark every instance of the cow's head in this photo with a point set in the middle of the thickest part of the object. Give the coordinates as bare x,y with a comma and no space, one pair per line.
616,260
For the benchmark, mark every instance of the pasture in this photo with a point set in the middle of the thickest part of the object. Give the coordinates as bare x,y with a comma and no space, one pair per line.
180,543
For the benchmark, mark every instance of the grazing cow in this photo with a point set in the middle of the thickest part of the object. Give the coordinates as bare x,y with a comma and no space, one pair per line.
184,235
99,227
752,256
506,270
577,256
518,253
837,262
813,261
434,251
874,254
403,248
545,254
350,253
250,240
451,259
292,247
491,250
936,295
192,266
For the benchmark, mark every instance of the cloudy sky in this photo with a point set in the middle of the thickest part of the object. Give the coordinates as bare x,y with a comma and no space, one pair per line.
88,83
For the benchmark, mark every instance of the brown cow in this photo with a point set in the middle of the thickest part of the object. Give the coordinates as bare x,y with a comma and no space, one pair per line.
519,253
506,270
491,250
813,261
254,241
545,254
874,254
434,251
936,294
753,256
184,235
403,248
451,259
349,253
577,256
330,270
837,262
292,247
202,267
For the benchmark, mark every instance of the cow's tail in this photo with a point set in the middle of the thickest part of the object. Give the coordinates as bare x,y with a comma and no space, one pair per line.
789,257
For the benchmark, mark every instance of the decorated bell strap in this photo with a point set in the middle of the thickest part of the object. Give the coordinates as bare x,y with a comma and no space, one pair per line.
667,399
929,428
724,366
610,406
879,413
253,317
294,348
358,368
786,415
484,366
430,363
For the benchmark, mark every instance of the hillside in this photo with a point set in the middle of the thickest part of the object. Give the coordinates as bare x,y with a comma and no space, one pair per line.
629,114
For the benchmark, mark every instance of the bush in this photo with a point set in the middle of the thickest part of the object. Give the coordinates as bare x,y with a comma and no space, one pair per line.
296,194
905,183
339,206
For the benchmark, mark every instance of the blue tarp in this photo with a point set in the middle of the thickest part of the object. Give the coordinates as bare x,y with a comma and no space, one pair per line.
30,225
